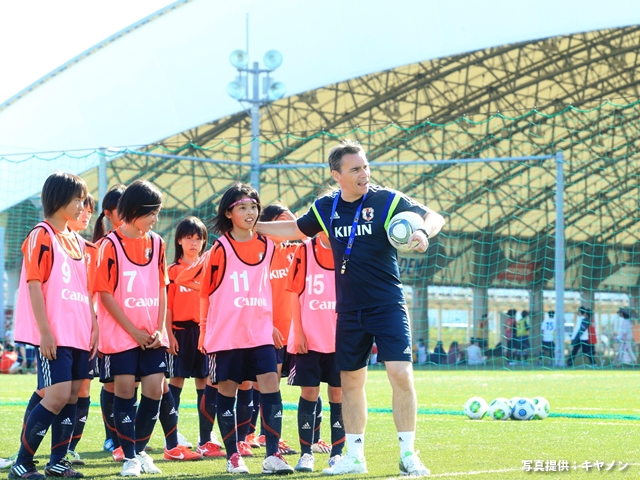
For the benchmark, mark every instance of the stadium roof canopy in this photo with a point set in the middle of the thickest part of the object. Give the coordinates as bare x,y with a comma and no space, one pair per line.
406,71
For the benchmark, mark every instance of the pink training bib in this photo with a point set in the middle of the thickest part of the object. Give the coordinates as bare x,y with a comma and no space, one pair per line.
317,305
240,310
138,295
66,300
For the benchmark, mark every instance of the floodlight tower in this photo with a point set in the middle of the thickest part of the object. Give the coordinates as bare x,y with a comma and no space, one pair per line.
239,89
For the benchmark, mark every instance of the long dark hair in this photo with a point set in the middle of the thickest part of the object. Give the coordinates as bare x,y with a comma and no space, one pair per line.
109,203
187,227
139,200
221,224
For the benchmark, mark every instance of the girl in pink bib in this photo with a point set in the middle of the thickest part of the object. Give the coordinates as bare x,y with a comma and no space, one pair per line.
236,326
131,282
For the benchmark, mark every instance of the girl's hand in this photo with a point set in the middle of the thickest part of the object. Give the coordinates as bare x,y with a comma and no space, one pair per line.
156,340
142,338
173,343
277,338
94,344
300,343
48,346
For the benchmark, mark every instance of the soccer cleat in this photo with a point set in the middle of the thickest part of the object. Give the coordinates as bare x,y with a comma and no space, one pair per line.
5,463
118,455
252,440
62,469
244,449
285,449
26,470
321,447
182,440
235,464
347,464
213,439
333,460
411,465
262,440
131,468
146,463
74,458
276,464
181,453
210,449
107,446
305,463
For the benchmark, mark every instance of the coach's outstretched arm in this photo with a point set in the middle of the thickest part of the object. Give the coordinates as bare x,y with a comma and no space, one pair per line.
285,229
433,223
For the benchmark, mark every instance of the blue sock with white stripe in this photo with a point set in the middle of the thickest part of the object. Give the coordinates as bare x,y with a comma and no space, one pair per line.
34,431
124,413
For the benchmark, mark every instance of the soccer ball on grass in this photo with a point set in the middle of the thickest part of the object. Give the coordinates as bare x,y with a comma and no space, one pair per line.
475,408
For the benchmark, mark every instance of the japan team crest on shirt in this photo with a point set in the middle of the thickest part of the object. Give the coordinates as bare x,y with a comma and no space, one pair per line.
367,214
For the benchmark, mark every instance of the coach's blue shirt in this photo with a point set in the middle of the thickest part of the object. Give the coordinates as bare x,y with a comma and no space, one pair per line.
372,278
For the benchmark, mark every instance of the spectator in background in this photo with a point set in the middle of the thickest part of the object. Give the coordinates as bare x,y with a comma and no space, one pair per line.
521,338
482,340
474,354
8,357
509,327
455,355
438,356
625,337
548,337
580,336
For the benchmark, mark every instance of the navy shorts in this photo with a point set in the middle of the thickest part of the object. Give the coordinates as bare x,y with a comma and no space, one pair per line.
284,358
309,369
94,368
242,364
356,331
190,362
70,364
135,361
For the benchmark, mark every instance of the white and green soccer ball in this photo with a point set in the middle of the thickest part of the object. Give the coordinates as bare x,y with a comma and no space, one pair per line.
523,409
475,408
543,408
500,409
401,227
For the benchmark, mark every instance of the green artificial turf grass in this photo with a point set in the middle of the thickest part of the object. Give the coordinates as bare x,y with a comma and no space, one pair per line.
595,417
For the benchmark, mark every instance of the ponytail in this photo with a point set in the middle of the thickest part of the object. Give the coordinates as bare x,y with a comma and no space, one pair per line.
98,229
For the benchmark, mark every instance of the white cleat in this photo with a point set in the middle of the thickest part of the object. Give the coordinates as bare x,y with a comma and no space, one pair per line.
347,465
182,440
411,465
305,463
235,464
276,464
146,463
131,468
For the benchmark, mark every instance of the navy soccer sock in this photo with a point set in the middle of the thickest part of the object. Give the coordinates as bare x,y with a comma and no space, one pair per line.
256,410
227,423
271,409
244,412
146,418
106,405
124,414
33,401
35,429
82,414
206,412
176,392
169,420
337,428
318,414
62,431
306,424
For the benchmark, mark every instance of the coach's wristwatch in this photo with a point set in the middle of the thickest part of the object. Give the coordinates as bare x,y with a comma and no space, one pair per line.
423,231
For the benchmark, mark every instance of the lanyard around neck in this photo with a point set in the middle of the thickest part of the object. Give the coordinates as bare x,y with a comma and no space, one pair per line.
352,233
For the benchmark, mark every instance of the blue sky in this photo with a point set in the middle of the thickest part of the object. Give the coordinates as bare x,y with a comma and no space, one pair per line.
36,36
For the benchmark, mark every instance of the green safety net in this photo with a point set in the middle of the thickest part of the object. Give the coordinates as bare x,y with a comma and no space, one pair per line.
496,252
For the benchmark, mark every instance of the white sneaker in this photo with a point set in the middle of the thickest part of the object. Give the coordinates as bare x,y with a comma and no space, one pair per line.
333,460
411,465
305,463
183,441
347,464
276,464
146,463
235,464
131,468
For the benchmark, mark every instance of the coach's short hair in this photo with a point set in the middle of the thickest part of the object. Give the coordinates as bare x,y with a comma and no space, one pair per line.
346,147
59,190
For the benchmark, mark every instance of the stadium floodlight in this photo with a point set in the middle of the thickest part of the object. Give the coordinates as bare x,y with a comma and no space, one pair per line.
276,91
235,90
239,59
272,59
